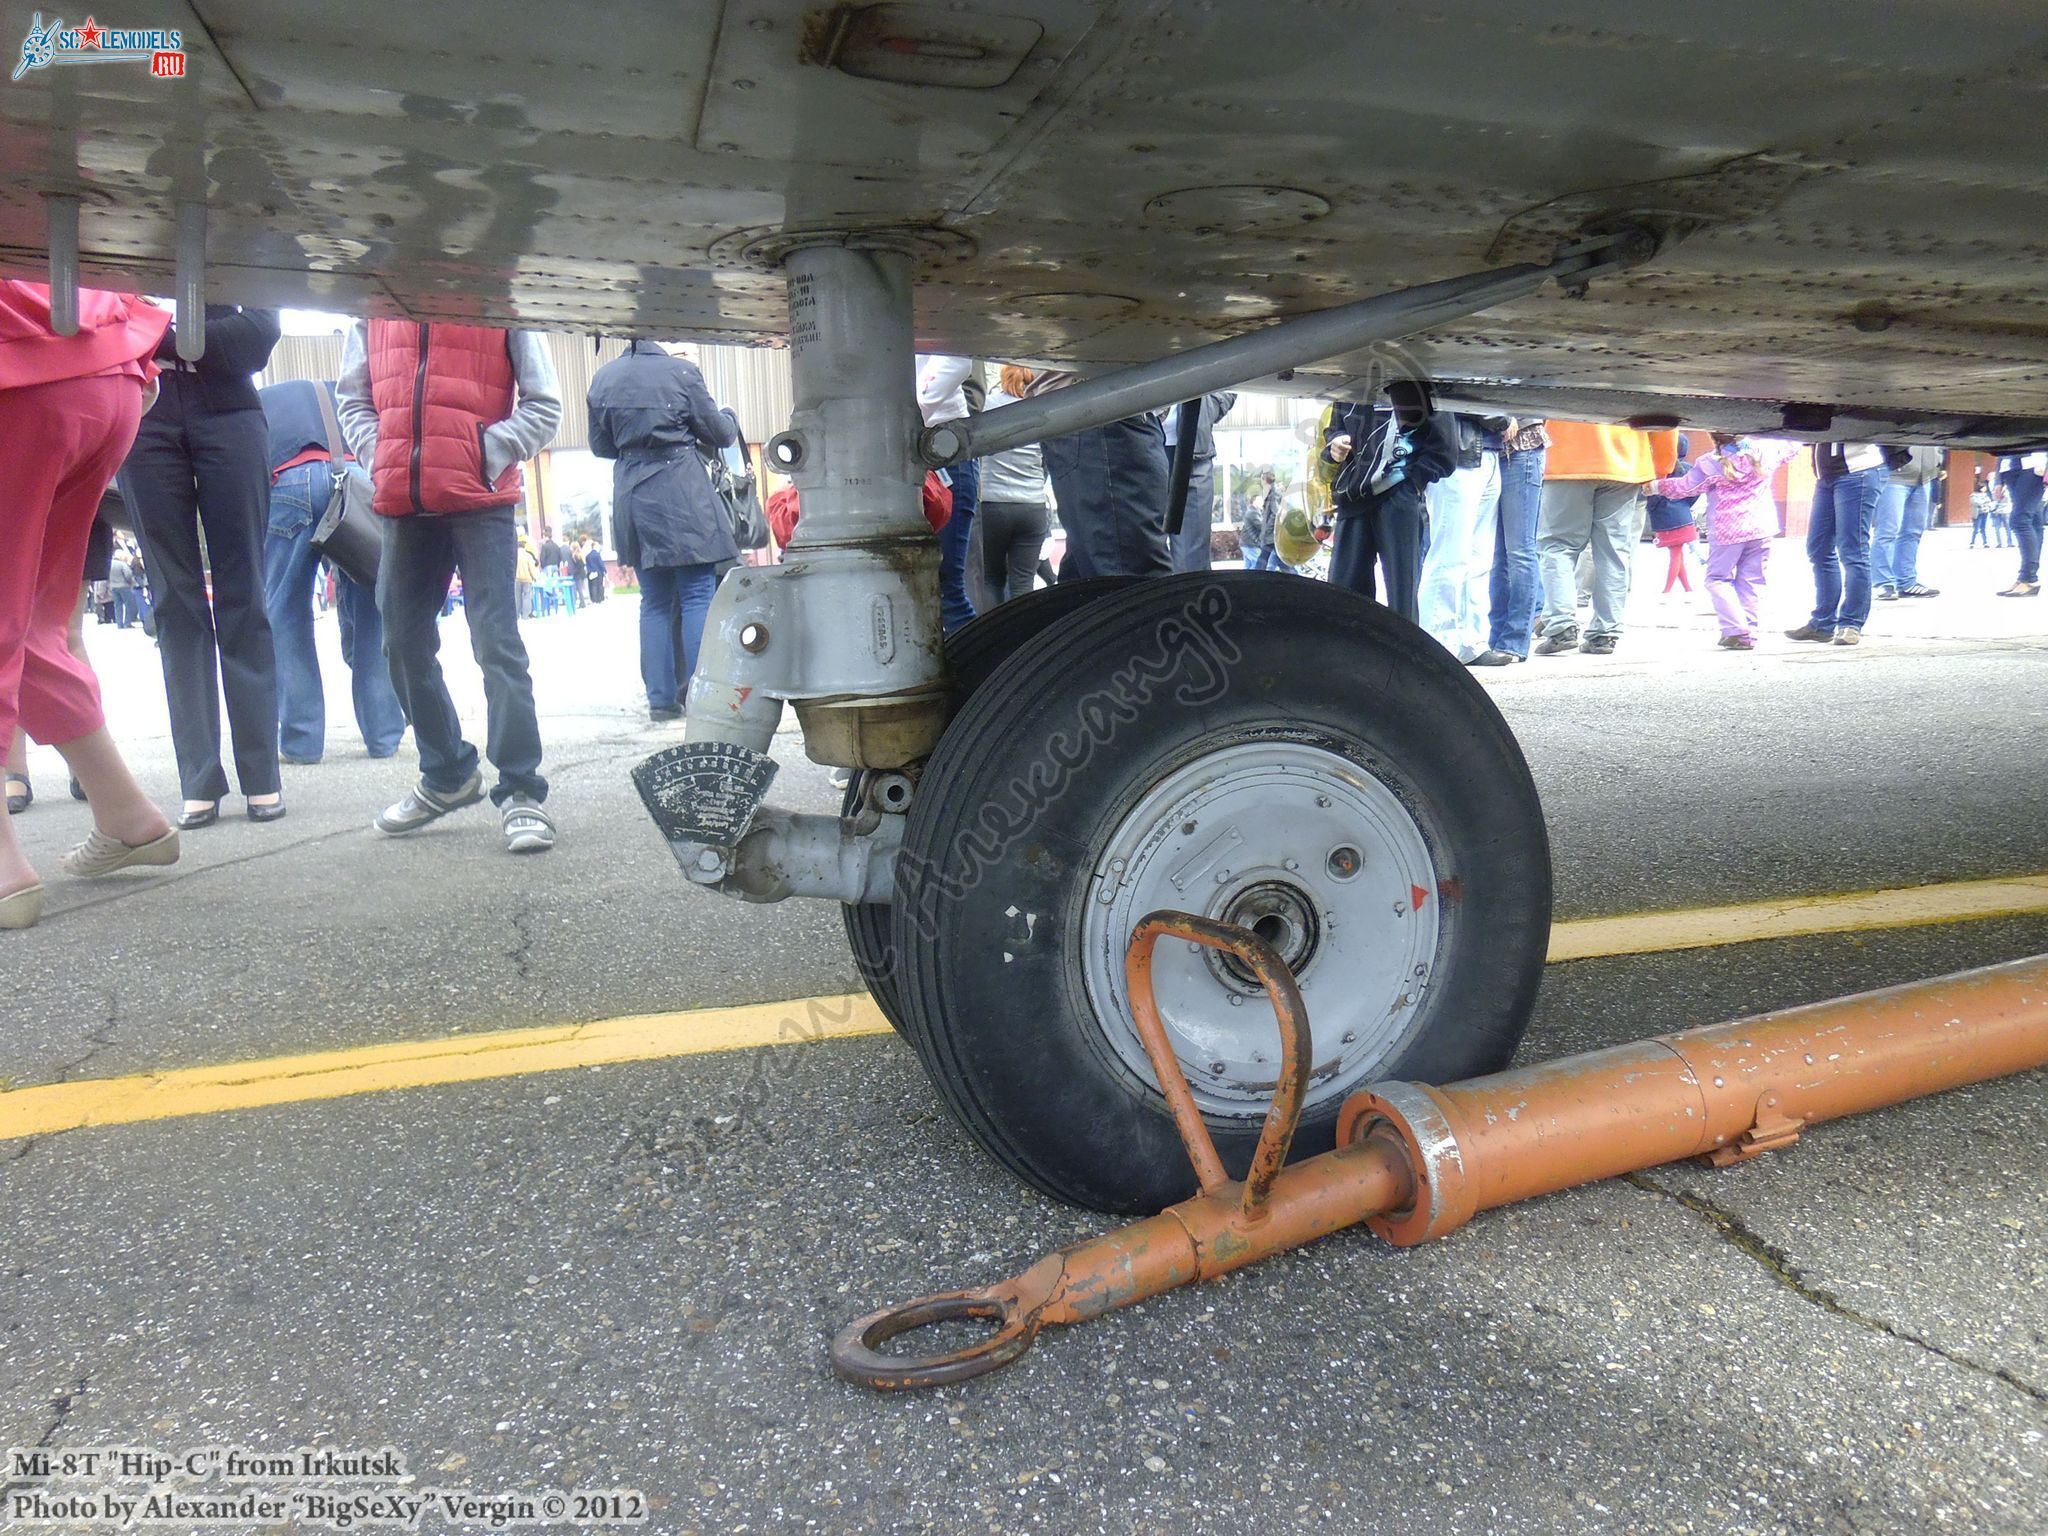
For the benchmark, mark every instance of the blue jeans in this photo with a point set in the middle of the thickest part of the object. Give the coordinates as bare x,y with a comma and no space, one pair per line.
1514,588
673,602
955,607
1884,534
1838,544
1895,544
1913,516
126,609
421,554
290,567
2026,489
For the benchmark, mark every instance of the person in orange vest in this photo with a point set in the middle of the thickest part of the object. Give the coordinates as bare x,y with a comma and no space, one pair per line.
1593,478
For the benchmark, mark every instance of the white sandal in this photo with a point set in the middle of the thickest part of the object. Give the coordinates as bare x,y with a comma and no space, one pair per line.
100,854
20,909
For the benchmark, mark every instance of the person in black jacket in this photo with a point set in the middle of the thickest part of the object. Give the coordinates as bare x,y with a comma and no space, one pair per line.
652,414
1386,459
201,462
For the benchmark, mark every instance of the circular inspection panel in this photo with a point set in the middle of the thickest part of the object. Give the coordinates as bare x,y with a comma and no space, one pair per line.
1235,206
1064,306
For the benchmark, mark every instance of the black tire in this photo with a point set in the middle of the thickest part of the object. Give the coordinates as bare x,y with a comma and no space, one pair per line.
1001,1005
973,651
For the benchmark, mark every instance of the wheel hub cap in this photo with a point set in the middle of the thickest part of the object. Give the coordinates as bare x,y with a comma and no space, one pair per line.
1311,851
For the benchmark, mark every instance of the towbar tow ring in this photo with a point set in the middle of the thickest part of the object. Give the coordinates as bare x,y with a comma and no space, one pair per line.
855,1357
1047,1292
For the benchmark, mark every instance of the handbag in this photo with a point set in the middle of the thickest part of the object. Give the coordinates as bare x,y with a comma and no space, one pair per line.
348,533
737,491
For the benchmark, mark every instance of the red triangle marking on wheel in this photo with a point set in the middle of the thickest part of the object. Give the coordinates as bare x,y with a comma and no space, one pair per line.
1417,896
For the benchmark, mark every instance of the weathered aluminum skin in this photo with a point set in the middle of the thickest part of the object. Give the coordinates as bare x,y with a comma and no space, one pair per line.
1109,182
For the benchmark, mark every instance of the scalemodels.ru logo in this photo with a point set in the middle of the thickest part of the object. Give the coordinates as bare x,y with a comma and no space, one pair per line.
162,49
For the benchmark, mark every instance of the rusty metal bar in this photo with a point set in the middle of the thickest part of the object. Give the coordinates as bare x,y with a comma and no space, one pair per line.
1284,1113
1416,1162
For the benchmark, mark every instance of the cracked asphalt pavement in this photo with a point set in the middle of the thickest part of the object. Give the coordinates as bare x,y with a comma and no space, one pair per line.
625,1276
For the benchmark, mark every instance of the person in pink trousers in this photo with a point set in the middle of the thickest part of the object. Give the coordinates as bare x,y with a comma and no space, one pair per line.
1742,517
69,407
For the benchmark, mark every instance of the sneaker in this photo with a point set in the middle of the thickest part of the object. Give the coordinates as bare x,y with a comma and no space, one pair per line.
1557,642
1914,589
423,803
1493,658
1886,594
527,827
1598,645
1848,634
1738,642
1810,632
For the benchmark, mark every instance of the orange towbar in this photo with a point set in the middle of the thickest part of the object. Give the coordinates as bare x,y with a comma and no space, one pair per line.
1416,1162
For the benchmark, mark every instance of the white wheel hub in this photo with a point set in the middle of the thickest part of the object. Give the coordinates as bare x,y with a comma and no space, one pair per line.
1309,850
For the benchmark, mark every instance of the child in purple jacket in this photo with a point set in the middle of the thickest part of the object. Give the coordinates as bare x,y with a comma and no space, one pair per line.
1742,518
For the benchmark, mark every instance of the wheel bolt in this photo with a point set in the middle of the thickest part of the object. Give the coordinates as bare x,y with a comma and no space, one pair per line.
1291,864
1236,1001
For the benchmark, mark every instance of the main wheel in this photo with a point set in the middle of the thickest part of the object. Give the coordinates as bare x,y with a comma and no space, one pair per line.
973,651
1276,753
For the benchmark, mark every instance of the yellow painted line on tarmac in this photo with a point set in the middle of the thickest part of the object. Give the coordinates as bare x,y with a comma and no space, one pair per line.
46,1109
1916,906
40,1111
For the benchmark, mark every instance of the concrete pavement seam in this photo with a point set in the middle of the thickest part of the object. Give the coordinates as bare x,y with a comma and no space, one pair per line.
1783,1269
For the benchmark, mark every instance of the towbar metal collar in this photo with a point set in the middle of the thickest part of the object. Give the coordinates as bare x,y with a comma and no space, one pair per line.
1417,1162
1289,344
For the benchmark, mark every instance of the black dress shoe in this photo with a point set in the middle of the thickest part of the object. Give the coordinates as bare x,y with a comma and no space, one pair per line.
272,812
192,821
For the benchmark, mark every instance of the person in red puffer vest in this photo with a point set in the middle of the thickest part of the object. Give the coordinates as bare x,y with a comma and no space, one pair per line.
444,415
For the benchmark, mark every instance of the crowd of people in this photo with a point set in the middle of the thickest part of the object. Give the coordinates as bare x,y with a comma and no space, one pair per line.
1493,533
